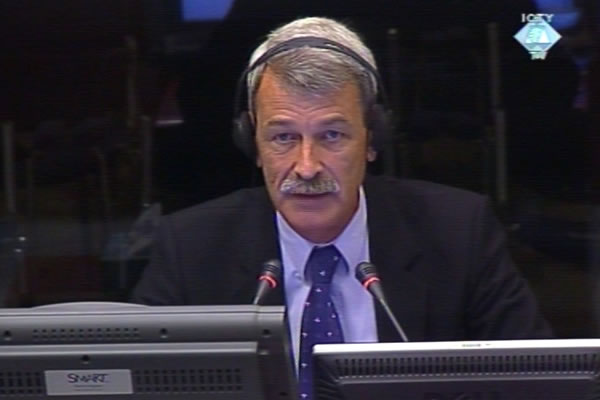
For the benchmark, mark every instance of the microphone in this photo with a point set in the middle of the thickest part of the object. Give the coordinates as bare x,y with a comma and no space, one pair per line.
366,273
267,280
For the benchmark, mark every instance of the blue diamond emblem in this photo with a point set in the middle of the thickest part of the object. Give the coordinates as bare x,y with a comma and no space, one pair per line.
537,37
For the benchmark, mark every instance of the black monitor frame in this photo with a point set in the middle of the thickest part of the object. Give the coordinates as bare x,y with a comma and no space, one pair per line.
496,370
125,351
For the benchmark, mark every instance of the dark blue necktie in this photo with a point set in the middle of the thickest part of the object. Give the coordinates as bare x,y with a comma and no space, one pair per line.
320,322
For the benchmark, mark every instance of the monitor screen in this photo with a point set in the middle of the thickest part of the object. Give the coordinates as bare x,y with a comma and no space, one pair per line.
126,351
180,28
497,370
205,10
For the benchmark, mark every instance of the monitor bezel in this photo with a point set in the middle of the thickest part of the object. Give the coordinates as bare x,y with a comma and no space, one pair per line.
90,335
527,369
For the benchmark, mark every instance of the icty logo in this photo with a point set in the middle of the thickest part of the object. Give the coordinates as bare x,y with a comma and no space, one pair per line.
537,36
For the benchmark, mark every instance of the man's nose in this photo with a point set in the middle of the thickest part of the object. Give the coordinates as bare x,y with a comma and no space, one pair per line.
308,164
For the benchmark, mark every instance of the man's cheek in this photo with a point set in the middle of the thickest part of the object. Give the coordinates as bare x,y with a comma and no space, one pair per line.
271,177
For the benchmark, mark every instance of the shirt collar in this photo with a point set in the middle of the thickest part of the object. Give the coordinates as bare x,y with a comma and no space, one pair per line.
297,248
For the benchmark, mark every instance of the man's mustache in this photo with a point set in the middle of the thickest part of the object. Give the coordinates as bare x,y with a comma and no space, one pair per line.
322,185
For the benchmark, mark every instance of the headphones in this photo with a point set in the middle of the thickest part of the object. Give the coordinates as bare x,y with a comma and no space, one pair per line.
379,116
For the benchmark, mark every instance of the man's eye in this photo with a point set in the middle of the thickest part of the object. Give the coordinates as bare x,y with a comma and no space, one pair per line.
284,138
332,136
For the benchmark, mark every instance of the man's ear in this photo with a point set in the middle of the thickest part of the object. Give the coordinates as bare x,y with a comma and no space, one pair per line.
259,163
257,159
371,154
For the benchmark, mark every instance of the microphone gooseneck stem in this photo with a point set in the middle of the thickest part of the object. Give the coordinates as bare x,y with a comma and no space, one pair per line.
257,299
392,318
261,292
366,273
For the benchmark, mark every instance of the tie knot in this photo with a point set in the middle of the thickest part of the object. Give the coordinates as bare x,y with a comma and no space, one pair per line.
321,264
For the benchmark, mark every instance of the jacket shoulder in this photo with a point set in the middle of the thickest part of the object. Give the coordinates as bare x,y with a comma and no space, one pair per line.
232,207
418,194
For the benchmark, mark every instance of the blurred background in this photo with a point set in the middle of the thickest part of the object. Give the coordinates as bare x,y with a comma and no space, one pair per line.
115,112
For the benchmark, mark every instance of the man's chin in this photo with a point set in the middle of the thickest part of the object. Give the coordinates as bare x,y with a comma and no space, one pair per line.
307,210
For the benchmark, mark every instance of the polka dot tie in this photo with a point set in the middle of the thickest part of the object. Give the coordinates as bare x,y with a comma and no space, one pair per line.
320,322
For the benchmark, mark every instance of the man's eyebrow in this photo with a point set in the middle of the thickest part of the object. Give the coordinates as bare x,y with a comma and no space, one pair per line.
334,120
279,122
285,122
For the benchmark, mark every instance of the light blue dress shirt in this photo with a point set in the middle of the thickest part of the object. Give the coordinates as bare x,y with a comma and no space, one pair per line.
353,303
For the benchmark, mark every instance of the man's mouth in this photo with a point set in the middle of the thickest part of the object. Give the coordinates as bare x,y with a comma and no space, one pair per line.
309,195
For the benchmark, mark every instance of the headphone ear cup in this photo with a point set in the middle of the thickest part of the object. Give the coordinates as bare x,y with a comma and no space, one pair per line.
243,135
380,125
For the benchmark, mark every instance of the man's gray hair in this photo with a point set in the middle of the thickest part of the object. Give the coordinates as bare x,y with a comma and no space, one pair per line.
313,70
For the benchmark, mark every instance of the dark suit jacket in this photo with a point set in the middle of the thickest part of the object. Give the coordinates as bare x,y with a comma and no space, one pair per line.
440,252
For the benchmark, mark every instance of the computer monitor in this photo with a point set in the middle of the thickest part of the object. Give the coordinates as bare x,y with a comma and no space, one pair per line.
178,29
116,351
496,370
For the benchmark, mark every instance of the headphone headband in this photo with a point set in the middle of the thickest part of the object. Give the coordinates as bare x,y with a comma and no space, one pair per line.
311,42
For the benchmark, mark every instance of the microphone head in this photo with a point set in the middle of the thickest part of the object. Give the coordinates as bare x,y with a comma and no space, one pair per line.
271,272
365,271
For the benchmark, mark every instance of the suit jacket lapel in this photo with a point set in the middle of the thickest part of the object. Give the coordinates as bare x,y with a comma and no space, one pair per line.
395,251
263,247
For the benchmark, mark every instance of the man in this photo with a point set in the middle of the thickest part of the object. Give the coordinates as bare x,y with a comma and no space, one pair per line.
313,118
